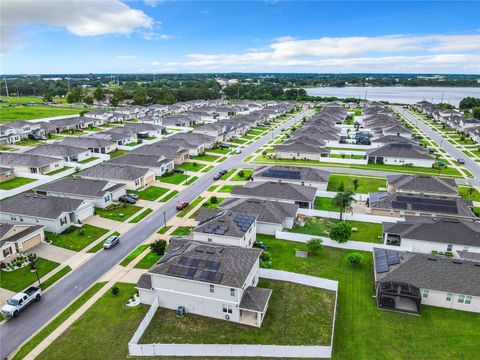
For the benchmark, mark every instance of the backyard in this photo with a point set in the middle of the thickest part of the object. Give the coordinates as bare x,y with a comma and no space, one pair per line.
76,238
16,182
365,184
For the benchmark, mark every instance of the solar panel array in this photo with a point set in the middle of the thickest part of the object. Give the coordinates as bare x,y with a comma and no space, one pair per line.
426,204
283,174
384,259
399,205
400,146
219,229
244,221
188,266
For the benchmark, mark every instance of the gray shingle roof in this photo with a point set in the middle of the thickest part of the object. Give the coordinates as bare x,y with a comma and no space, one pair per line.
225,218
79,186
49,207
423,184
56,150
255,298
87,142
303,173
145,281
277,190
4,228
114,172
150,161
27,160
401,150
236,262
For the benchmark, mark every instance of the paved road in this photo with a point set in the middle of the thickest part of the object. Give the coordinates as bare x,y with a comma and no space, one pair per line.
15,331
470,165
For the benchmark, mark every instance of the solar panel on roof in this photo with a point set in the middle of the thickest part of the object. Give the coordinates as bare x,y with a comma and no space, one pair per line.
399,204
381,264
392,257
219,232
212,265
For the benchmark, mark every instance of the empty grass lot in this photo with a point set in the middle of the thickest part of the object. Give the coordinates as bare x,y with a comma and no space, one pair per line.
147,261
16,182
33,112
120,213
19,279
141,216
191,166
208,158
169,196
367,232
365,184
361,329
133,255
290,320
172,178
78,238
182,231
151,193
228,188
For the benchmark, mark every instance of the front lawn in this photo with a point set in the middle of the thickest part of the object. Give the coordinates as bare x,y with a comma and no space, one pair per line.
367,232
290,320
228,188
16,182
169,196
324,203
58,171
365,184
147,261
246,174
219,150
90,159
361,329
469,193
151,193
172,178
182,231
76,238
118,212
19,279
141,216
133,255
204,157
191,166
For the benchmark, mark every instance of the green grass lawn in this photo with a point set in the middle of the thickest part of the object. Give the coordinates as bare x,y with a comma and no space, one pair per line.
208,158
19,279
6,148
194,203
367,232
147,261
324,203
16,182
78,239
246,174
163,229
172,178
55,277
99,246
218,151
17,100
169,196
151,193
212,188
191,166
182,231
290,320
365,184
228,174
29,142
34,112
361,329
191,180
120,213
55,323
228,188
133,255
207,169
207,205
237,141
117,153
469,193
476,211
141,216
58,171
90,159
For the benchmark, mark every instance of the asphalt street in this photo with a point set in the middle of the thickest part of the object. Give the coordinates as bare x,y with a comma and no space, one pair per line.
15,331
470,165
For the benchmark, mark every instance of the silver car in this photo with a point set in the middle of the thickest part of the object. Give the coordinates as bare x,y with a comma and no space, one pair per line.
111,242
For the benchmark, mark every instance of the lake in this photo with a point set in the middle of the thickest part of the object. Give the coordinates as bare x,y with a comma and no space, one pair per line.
399,94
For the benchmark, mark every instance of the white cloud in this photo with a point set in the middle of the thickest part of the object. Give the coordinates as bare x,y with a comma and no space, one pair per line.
126,57
82,18
153,3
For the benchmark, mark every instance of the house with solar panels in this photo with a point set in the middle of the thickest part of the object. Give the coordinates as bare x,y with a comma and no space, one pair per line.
227,227
208,279
400,154
300,175
406,280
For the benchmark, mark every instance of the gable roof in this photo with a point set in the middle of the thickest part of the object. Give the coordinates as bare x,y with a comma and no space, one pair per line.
297,173
28,160
402,150
277,190
56,150
80,186
423,184
114,172
227,222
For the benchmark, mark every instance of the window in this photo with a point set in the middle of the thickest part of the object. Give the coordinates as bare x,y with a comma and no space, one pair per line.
465,248
465,299
449,247
232,292
425,293
13,218
449,297
227,308
209,240
212,288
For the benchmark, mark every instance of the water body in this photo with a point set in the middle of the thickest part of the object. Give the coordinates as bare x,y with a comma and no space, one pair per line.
400,94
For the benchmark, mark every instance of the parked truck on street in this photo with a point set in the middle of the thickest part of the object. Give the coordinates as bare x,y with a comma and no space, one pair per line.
20,301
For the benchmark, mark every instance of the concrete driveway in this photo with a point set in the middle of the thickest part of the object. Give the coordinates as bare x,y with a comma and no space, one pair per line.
53,253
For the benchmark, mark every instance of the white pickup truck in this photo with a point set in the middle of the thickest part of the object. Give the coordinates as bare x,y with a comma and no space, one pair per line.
20,301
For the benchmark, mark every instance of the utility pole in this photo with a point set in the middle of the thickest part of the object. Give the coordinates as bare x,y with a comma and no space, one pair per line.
164,220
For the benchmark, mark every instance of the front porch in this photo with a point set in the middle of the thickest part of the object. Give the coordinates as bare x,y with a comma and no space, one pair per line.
253,305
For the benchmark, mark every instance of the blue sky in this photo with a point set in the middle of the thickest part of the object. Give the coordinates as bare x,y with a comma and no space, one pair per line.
68,36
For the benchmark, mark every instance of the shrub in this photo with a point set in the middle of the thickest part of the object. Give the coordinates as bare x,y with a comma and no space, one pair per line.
434,252
449,254
314,246
341,232
69,230
158,247
354,258
265,259
81,232
241,173
115,291
213,200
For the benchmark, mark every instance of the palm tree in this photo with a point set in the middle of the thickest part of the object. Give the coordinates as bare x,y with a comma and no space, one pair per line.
343,201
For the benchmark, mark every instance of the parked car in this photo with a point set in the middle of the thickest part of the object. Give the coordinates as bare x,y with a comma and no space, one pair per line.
223,146
178,170
127,199
133,196
238,151
111,242
461,161
441,163
182,205
35,136
220,174
20,301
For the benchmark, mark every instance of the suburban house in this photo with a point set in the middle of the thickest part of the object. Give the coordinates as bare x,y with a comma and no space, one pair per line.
54,213
299,175
134,178
303,196
218,131
15,131
300,151
102,193
29,163
120,135
405,280
417,184
6,174
66,152
159,164
176,153
272,216
100,146
400,154
194,149
16,239
213,280
424,235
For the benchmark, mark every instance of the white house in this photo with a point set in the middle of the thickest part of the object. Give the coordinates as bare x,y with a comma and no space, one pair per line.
307,176
30,163
400,154
212,280
15,239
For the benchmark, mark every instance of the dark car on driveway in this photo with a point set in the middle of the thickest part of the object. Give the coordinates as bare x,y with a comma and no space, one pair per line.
182,205
127,199
178,170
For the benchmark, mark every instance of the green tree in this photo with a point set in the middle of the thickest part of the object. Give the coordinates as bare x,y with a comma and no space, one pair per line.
469,103
341,187
355,183
213,200
354,258
88,100
70,98
99,94
158,247
341,232
140,97
47,97
343,201
314,246
117,97
476,112
75,95
115,291
241,173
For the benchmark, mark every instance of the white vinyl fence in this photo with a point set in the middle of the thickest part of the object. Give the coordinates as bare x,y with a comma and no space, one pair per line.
349,216
240,350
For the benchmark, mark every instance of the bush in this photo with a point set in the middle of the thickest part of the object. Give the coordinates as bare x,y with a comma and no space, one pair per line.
434,252
241,173
213,200
341,232
115,291
314,246
354,258
68,230
158,247
449,254
265,259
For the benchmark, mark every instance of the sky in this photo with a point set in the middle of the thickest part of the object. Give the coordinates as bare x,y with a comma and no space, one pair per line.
158,36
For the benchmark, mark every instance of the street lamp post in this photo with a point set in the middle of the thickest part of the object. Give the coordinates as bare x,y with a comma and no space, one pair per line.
33,266
164,220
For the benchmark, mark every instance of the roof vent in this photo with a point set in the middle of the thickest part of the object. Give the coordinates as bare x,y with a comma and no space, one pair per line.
432,258
476,264
457,262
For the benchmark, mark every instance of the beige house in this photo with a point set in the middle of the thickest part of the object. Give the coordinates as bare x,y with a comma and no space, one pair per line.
15,239
6,174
